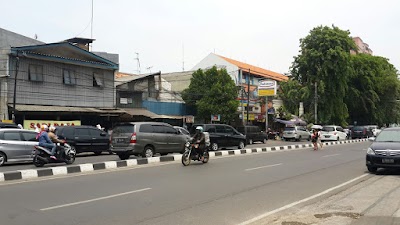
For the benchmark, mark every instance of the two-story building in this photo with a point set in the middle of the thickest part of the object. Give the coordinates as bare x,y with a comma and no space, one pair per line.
56,82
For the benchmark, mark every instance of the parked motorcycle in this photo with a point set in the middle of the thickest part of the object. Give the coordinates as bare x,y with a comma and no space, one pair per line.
192,153
64,154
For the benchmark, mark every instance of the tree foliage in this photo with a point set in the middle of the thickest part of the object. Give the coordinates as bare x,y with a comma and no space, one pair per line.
212,92
325,59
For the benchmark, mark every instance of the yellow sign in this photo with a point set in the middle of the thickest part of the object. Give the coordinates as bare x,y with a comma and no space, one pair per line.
251,117
30,124
7,121
270,92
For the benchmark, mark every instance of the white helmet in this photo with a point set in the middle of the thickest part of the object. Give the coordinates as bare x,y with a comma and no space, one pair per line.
199,128
45,127
52,128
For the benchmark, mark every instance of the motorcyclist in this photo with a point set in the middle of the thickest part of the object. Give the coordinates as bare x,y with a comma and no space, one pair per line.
53,137
199,138
44,141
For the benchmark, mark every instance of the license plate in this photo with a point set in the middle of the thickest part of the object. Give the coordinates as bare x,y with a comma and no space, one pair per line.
387,160
327,136
119,140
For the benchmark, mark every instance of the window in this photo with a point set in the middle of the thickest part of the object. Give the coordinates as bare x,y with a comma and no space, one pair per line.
169,130
29,136
229,130
125,101
97,80
158,129
95,132
124,129
220,129
65,132
82,132
12,136
35,73
146,128
69,77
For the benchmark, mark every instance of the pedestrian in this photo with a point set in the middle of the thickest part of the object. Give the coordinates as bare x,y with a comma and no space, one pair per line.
319,141
37,130
314,139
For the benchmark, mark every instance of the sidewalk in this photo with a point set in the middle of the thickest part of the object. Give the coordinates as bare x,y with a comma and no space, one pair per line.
375,201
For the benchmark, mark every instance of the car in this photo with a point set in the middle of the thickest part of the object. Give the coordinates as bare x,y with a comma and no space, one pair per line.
222,136
16,145
182,130
333,133
85,138
384,152
8,125
361,132
146,139
253,133
296,133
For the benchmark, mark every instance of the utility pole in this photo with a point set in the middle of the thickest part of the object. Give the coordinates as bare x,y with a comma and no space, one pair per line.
316,103
248,98
15,88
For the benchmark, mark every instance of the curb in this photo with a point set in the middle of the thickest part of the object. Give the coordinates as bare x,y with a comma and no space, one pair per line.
89,167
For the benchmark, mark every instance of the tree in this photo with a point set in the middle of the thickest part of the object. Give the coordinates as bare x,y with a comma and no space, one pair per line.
292,93
212,92
324,60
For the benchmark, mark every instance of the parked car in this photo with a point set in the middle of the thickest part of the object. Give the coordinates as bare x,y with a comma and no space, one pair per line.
146,139
222,135
253,133
16,145
85,138
182,130
384,150
361,132
374,130
296,133
8,125
333,133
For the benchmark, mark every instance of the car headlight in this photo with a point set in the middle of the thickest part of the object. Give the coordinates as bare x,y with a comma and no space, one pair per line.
187,144
370,151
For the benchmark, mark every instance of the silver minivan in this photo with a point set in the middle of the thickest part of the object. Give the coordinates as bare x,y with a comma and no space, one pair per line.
146,139
16,145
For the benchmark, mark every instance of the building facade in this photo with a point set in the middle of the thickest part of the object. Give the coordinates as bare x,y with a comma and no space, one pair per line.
362,47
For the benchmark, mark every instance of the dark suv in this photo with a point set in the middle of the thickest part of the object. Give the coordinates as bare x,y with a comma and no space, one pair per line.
222,135
85,138
361,132
253,133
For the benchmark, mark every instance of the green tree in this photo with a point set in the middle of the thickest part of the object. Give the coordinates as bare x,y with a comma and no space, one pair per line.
324,59
212,92
292,93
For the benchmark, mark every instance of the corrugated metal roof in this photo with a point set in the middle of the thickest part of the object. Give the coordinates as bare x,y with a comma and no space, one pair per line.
45,108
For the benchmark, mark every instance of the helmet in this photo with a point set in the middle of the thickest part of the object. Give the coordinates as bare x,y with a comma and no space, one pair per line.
199,128
52,128
45,127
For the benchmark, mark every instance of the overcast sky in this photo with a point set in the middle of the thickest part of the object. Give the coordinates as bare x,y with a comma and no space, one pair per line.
260,32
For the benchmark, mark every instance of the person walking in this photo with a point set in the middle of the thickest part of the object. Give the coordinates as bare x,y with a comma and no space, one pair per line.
314,139
319,141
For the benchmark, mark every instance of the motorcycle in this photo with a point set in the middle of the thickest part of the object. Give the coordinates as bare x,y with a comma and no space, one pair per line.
191,153
64,154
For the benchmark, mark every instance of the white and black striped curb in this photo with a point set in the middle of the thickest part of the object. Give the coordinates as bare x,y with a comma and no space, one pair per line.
89,167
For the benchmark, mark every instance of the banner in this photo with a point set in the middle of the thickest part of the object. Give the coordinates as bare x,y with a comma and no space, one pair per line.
30,124
216,117
266,88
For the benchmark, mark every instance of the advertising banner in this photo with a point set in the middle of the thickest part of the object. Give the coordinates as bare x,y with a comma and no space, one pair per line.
267,88
216,117
30,124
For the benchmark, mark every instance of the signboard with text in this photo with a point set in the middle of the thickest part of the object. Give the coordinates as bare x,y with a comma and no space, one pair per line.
216,117
30,124
267,88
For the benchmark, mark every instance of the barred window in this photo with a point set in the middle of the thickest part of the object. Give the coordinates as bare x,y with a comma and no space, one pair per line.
35,72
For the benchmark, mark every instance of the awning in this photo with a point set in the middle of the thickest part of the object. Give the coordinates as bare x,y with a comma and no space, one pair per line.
46,108
292,122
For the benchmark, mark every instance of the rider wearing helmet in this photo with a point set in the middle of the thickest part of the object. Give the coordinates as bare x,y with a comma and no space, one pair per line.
44,141
199,138
52,135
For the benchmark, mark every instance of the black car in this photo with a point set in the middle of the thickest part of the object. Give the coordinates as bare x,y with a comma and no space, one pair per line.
253,133
384,152
8,125
85,138
361,132
222,135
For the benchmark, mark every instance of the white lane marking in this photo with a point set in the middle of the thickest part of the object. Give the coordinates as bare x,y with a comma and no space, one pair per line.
261,167
301,201
26,174
329,155
95,199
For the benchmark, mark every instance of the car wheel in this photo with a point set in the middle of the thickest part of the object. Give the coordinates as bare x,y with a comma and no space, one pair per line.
123,156
250,141
372,169
214,146
148,152
97,153
265,141
3,158
241,145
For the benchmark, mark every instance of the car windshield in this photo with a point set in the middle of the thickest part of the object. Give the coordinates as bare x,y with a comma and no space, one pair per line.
124,129
389,136
289,128
358,128
328,129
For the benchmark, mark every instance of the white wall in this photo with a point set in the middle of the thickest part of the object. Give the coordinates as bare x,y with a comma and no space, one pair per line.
214,60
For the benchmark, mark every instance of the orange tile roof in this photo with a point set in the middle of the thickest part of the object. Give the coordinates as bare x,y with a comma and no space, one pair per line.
121,74
257,70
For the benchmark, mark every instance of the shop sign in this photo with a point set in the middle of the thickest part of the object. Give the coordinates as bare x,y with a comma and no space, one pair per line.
30,124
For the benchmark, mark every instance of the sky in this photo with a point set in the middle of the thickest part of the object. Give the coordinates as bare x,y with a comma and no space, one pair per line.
172,35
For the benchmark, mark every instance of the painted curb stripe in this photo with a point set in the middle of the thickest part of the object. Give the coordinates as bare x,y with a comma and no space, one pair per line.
167,159
142,161
45,172
15,175
99,166
122,164
73,169
26,174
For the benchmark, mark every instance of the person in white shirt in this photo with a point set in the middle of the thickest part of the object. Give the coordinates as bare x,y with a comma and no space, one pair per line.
319,142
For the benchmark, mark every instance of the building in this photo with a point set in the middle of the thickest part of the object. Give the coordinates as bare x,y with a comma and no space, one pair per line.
56,82
362,47
247,78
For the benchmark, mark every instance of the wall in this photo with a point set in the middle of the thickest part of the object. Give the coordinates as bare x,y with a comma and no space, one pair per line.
165,108
52,91
213,59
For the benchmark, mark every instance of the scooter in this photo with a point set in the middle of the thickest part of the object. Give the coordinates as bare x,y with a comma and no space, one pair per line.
64,154
191,153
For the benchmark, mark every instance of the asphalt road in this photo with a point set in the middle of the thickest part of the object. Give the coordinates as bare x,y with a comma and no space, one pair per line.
91,158
227,190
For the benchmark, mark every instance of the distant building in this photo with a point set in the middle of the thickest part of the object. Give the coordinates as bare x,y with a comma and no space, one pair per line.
361,46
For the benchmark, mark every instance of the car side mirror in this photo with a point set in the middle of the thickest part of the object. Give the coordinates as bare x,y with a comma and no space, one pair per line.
371,139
